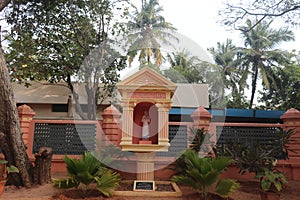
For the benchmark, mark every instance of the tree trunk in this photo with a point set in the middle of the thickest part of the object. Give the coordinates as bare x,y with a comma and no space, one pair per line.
254,80
11,135
3,4
42,170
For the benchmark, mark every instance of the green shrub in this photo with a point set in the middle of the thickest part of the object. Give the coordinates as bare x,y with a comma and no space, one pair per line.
261,159
272,180
86,171
256,157
202,173
200,140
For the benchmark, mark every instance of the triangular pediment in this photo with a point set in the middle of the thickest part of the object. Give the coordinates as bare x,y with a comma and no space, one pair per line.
146,77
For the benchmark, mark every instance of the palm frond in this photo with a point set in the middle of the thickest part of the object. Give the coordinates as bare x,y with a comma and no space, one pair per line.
86,171
107,182
225,187
65,183
202,173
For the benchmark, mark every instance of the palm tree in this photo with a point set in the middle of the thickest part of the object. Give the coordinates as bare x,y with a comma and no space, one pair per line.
259,55
183,68
225,56
148,31
186,68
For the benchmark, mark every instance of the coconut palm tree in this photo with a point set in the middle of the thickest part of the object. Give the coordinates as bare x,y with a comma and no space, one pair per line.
259,55
225,56
181,58
148,30
184,68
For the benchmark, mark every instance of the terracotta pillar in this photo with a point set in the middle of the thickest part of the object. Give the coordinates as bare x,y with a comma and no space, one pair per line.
201,118
163,124
145,166
26,115
127,123
111,125
291,120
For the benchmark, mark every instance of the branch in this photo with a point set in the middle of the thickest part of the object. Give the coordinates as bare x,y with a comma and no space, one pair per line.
76,98
249,29
264,15
3,4
296,7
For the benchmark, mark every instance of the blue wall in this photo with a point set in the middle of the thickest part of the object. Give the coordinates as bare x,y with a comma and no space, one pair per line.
232,112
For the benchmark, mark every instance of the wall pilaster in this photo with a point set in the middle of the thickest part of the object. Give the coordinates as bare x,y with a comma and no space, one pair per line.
127,123
201,118
163,122
291,120
26,115
111,125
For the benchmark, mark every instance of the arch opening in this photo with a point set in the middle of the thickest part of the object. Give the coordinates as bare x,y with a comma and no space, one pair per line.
138,113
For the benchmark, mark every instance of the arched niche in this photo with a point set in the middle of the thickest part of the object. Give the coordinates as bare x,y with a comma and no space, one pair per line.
138,113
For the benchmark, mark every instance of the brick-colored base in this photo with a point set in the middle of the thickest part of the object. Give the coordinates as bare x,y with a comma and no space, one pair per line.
291,171
145,142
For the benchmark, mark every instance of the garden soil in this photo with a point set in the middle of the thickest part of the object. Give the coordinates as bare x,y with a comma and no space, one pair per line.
248,191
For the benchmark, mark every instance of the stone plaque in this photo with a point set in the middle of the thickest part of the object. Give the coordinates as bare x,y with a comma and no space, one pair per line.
144,186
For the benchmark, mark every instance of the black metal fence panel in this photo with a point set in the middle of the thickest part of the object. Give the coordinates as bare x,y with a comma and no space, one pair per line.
249,136
70,139
178,140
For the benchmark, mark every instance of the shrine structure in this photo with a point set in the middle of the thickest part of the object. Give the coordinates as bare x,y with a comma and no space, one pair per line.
149,91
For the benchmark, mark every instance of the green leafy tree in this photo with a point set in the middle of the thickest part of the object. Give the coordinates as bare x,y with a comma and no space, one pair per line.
287,93
259,56
87,172
68,41
148,30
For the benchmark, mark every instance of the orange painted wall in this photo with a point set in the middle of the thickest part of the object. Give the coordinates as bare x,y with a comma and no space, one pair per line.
291,120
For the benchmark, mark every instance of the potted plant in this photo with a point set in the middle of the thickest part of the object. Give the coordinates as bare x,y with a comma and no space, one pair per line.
4,170
271,183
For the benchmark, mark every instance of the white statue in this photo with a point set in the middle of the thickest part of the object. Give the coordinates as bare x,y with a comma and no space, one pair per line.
146,129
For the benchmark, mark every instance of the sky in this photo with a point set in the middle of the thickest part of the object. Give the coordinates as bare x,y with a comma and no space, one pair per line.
197,19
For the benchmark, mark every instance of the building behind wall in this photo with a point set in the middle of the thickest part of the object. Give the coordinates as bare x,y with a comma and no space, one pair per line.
50,101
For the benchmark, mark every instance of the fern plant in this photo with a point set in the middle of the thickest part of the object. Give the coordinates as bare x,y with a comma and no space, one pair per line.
85,172
202,173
